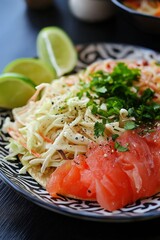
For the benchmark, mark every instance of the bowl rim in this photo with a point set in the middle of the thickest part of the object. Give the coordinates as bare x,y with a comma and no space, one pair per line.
119,4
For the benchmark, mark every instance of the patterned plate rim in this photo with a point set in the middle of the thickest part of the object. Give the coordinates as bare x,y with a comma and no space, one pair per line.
82,62
72,213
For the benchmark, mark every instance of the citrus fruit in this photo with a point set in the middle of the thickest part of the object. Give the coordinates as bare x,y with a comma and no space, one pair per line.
56,48
33,68
15,90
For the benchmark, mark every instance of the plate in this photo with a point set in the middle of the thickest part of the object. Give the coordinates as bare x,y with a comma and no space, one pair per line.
24,184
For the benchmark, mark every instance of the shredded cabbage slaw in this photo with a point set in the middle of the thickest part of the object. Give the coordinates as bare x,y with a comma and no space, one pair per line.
58,125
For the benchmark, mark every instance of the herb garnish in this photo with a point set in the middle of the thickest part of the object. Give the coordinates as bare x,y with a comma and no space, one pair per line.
99,129
114,136
121,148
115,91
129,125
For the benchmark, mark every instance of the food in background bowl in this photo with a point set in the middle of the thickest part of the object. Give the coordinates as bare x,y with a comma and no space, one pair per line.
144,6
145,22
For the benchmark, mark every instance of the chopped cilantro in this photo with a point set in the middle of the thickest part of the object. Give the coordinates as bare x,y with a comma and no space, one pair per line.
115,91
147,95
121,70
114,136
130,125
121,148
114,105
99,129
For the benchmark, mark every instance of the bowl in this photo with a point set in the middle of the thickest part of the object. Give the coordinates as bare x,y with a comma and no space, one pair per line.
91,10
145,22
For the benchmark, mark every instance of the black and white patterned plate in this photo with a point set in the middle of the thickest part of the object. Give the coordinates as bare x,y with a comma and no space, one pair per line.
29,188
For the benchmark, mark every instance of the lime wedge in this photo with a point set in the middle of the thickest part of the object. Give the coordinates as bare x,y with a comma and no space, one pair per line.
32,68
15,90
56,48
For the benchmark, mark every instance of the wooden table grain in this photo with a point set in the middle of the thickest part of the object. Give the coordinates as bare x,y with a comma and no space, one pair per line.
21,219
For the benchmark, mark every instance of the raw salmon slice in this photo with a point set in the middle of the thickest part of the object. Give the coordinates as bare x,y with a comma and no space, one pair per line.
112,177
72,179
113,188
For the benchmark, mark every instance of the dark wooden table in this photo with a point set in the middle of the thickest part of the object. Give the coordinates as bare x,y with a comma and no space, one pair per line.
19,218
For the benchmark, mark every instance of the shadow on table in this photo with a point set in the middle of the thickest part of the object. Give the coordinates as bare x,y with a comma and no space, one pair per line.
21,219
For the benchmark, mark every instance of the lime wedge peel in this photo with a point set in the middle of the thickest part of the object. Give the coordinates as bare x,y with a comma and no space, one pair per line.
56,48
32,68
57,56
15,90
